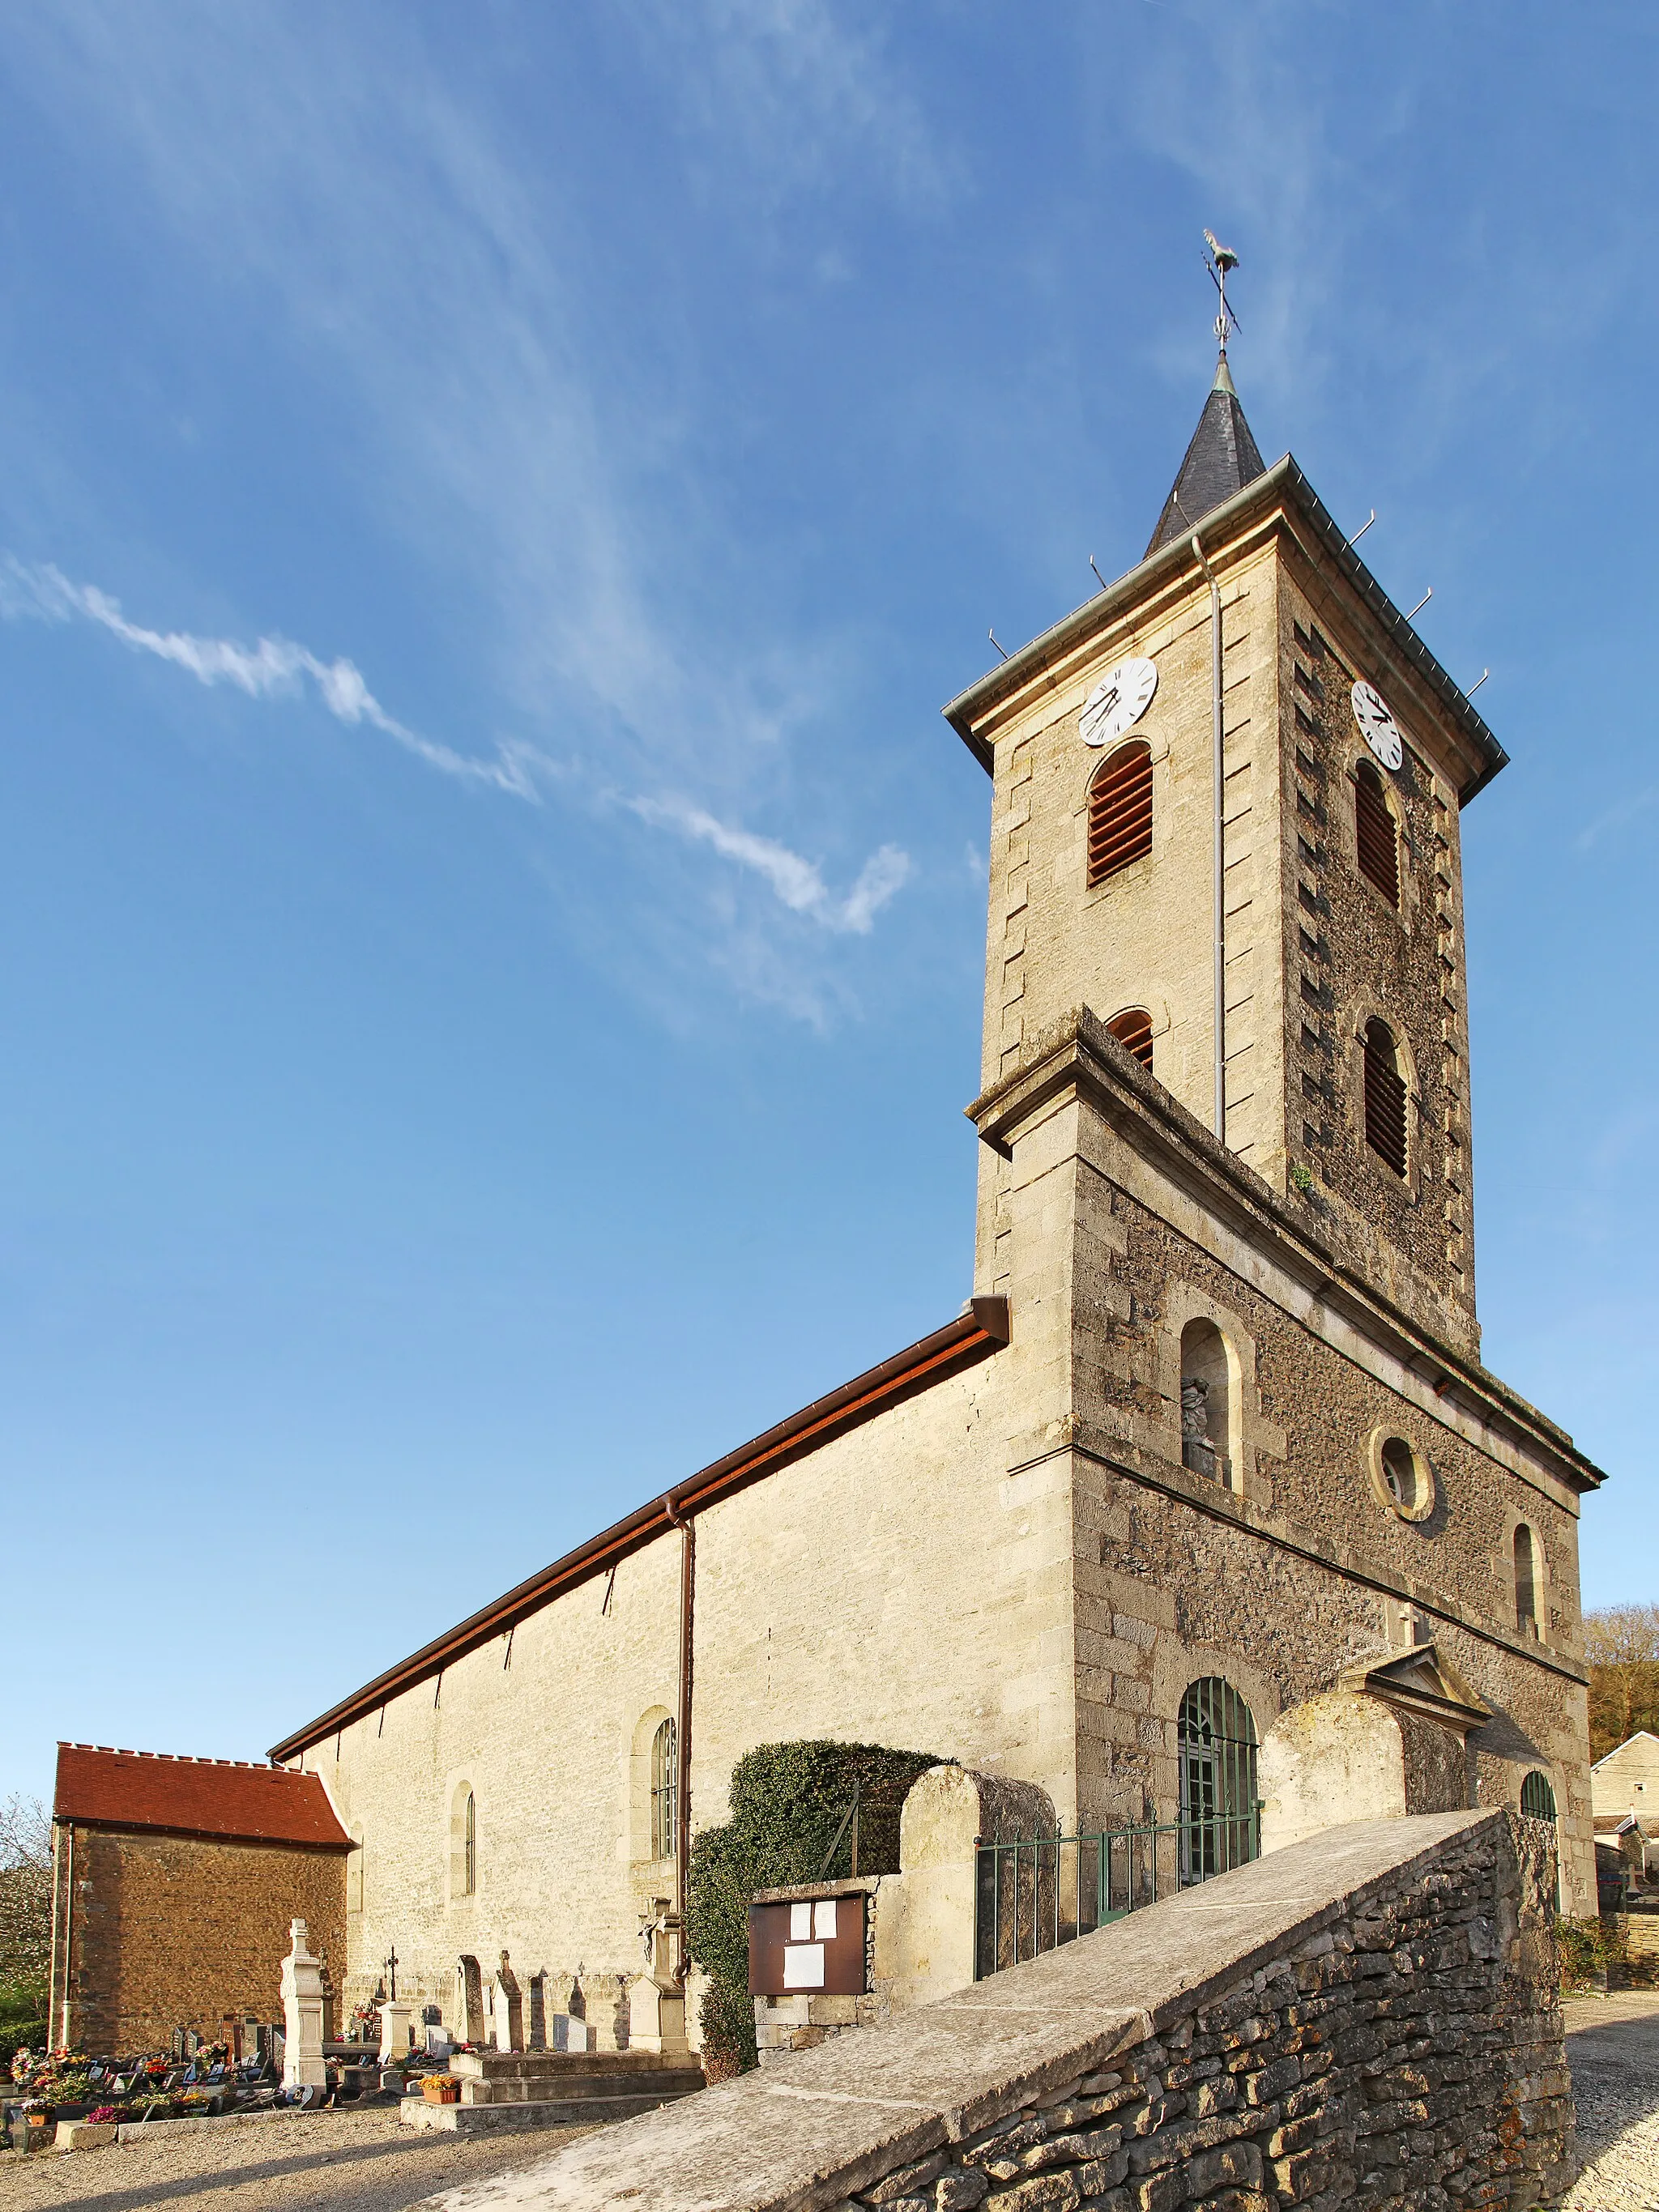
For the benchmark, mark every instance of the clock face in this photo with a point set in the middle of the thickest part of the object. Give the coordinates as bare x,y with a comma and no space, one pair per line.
1377,725
1117,702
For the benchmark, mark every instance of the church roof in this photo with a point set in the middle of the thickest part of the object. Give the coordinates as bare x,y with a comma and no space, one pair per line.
99,1787
1222,459
981,1328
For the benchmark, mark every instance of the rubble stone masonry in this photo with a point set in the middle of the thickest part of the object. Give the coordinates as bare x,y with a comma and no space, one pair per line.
1369,2019
1398,2060
166,1932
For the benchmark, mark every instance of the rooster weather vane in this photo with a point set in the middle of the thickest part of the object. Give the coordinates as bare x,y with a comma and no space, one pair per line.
1220,260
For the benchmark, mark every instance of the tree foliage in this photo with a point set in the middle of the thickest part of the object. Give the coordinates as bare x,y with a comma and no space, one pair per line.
1621,1643
788,1800
25,1921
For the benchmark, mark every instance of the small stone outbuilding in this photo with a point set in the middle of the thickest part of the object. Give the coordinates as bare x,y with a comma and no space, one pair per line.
175,1881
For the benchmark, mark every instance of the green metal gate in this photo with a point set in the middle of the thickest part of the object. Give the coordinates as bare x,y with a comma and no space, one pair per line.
1220,1820
1032,1893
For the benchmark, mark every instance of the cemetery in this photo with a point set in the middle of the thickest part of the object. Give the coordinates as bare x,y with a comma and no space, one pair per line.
395,2054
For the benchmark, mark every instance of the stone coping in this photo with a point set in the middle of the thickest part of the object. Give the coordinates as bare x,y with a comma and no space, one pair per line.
804,2134
852,1884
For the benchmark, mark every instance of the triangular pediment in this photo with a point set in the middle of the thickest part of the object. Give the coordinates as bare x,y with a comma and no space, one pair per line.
1422,1680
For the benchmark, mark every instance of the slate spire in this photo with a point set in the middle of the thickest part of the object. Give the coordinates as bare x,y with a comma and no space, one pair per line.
1221,460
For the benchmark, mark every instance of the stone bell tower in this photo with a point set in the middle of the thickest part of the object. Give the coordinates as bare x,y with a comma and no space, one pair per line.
1225,821
1224,1189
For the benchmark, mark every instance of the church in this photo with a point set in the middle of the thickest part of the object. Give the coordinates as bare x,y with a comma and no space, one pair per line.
1207,1464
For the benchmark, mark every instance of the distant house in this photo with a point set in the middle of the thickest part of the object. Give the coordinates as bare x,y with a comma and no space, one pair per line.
174,1881
1627,1779
1624,1804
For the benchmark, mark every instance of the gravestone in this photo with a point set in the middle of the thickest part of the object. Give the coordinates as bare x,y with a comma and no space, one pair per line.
656,1999
302,2013
395,2036
508,2009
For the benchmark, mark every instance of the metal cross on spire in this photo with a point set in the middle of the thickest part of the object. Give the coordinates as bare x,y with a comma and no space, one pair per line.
1220,261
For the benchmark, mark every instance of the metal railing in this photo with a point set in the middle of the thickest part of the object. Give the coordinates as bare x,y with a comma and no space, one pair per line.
1032,1893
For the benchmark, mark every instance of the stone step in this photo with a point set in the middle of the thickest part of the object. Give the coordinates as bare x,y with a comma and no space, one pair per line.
557,2065
542,2112
583,2084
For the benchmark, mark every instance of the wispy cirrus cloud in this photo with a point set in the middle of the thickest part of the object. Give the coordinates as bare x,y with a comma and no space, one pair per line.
272,666
277,666
796,882
444,268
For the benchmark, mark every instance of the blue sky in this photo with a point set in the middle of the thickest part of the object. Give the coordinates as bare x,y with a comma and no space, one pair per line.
491,502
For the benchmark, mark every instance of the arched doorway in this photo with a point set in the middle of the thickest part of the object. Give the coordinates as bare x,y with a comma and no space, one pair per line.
1220,1813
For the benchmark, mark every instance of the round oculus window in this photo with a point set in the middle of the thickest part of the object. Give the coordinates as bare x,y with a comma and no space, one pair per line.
1401,1477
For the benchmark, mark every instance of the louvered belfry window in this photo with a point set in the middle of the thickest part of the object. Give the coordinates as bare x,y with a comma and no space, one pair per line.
1385,1097
1120,811
1379,844
1133,1031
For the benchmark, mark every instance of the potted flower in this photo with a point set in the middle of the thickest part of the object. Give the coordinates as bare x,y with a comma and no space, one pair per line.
441,2088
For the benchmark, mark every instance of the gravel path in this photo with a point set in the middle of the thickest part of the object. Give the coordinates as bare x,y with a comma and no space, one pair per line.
1612,2047
367,2161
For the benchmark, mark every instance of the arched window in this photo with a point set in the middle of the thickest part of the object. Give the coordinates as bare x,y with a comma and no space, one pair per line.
664,1792
1526,1586
463,1842
1378,839
1204,1407
1537,1798
1120,811
1220,1813
1385,1097
1132,1029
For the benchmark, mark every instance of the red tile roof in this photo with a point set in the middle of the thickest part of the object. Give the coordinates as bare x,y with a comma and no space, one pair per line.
194,1796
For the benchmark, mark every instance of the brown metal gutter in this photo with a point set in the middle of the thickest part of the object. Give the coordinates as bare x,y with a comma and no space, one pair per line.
974,1335
687,1528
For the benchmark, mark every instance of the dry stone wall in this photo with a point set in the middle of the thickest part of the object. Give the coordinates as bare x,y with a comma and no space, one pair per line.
1370,2018
1397,2061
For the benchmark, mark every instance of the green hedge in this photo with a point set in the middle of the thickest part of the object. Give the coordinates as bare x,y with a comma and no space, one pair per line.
22,2022
787,1802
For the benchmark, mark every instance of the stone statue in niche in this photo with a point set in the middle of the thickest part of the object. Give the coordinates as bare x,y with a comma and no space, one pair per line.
1194,1410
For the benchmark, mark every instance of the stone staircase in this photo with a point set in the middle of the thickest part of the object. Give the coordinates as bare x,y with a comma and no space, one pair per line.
511,2090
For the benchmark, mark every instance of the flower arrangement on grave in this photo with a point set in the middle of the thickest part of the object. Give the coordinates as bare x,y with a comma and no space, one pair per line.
101,2115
